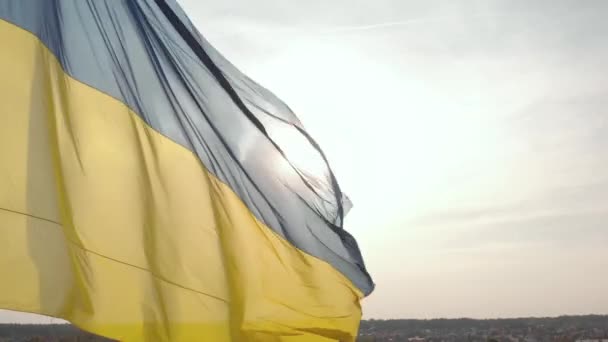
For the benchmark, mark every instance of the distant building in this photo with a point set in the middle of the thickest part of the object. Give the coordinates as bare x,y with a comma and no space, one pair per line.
416,339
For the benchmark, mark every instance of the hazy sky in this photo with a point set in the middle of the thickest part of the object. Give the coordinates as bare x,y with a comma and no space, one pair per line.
472,137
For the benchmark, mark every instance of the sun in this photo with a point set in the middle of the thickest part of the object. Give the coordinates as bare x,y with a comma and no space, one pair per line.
299,153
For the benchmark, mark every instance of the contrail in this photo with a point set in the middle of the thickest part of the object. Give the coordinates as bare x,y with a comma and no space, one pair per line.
375,26
346,29
393,24
380,25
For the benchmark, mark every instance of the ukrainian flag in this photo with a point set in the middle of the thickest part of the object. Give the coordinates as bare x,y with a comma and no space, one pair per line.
146,193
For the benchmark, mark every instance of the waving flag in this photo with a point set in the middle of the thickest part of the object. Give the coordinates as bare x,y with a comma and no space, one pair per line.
149,191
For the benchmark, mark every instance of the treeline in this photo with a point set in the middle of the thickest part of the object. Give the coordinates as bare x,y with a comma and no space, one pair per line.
581,322
45,333
69,333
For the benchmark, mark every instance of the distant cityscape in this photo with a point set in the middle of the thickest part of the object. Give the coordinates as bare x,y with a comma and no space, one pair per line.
591,328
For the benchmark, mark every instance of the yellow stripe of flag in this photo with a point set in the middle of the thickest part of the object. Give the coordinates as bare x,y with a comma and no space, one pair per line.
110,225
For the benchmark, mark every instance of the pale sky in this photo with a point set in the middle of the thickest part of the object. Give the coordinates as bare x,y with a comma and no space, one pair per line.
472,137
